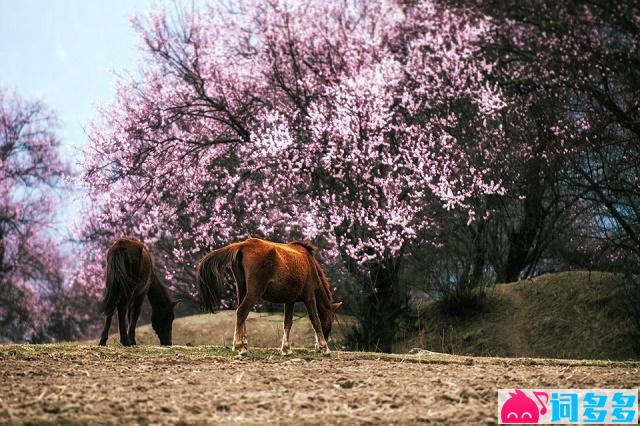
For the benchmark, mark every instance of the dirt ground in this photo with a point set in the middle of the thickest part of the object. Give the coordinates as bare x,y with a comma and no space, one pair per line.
181,385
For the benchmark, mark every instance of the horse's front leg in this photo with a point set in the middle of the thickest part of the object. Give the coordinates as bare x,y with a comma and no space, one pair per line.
288,322
321,343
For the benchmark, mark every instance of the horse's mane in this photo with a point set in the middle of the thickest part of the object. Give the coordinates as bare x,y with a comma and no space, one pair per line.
323,279
312,250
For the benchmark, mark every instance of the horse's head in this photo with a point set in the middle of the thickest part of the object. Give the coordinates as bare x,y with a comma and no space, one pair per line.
162,323
326,318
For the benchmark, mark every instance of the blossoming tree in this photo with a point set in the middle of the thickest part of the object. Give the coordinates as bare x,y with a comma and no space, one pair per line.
351,123
575,64
30,165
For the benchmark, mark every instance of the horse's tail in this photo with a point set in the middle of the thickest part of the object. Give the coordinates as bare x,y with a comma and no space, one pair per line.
119,283
210,275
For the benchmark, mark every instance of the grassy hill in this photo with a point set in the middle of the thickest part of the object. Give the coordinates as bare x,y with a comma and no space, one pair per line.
264,330
566,315
574,315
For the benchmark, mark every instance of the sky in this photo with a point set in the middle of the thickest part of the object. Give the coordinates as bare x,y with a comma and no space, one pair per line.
67,53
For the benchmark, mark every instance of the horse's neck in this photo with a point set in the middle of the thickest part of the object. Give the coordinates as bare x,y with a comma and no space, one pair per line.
158,295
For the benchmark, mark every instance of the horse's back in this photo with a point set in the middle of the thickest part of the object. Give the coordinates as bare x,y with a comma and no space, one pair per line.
255,247
139,259
284,268
130,245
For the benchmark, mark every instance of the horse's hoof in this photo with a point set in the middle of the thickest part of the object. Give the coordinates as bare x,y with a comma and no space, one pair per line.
326,352
243,351
286,352
102,343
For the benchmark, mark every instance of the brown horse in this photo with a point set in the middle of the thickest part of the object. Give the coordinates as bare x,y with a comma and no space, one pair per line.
279,273
131,277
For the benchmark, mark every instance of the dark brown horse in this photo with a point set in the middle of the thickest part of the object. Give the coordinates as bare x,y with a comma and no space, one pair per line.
131,277
279,273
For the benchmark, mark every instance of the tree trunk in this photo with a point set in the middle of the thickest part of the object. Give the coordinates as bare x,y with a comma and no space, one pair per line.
522,240
522,237
474,275
381,308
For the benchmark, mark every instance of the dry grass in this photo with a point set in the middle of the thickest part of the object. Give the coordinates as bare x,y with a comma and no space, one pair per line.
565,315
264,330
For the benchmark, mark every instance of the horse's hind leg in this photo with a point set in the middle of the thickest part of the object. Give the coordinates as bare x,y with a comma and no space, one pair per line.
241,292
321,343
241,289
239,339
122,323
105,330
134,313
288,322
